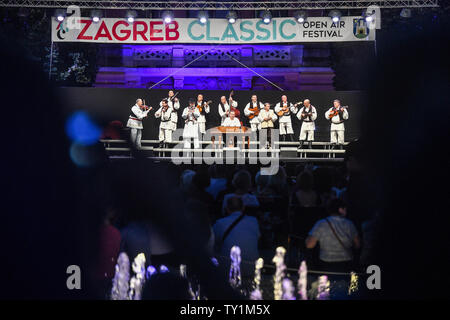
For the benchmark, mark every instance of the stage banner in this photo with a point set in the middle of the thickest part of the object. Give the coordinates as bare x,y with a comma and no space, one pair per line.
145,31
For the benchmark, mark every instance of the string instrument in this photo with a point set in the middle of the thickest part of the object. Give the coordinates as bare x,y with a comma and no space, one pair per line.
255,113
200,107
145,107
173,97
237,113
285,110
335,112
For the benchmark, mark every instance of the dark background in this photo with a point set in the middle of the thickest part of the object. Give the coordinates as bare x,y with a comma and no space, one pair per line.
108,104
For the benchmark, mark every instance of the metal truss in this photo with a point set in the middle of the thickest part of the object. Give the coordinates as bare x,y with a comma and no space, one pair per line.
221,5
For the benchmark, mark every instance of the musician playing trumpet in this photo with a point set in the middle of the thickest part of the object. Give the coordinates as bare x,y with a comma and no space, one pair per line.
284,109
138,112
307,114
337,115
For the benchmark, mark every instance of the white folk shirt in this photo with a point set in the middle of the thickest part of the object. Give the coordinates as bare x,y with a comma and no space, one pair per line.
335,121
285,118
191,123
175,106
231,123
165,118
202,118
247,111
267,114
137,124
223,113
308,126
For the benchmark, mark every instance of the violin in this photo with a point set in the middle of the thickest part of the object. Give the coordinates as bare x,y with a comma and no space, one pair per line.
145,107
174,97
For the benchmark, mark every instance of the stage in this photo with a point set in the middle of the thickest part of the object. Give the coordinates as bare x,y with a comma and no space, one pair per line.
288,152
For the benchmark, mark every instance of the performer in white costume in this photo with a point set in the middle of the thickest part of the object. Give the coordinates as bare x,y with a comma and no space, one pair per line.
267,117
233,122
191,115
252,110
337,115
307,114
203,108
224,108
138,112
174,103
284,109
165,127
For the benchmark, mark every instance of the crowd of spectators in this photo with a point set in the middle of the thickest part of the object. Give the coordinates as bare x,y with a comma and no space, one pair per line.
302,207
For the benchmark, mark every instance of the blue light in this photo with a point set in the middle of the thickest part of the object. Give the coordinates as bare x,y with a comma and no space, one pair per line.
81,129
163,269
151,270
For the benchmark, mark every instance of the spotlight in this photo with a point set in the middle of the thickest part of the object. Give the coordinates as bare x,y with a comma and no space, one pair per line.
231,16
167,16
266,16
131,15
405,13
203,16
60,15
335,15
96,15
23,12
300,16
368,16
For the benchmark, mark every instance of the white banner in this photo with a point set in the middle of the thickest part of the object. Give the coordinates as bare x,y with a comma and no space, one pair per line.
145,31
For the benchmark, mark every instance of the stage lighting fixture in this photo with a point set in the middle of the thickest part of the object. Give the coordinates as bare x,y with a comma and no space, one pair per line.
167,16
96,15
300,16
23,12
335,15
131,15
266,16
60,14
405,13
368,16
203,16
231,16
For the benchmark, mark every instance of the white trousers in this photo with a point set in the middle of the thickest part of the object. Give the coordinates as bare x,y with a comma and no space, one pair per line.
135,137
187,143
337,136
165,135
255,126
304,133
202,127
286,128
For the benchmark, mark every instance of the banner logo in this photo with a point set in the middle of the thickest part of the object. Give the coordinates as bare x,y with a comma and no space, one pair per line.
360,28
61,29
